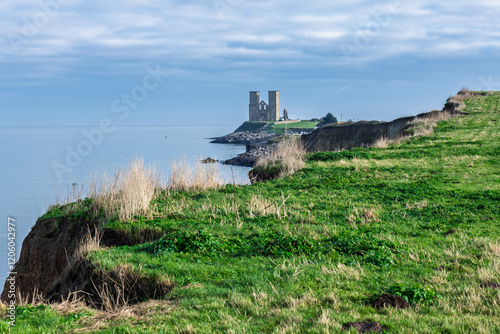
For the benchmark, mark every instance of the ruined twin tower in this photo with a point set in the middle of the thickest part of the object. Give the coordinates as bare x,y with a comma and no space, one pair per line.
261,111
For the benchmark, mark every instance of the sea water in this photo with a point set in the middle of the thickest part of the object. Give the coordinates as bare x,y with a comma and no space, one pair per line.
39,165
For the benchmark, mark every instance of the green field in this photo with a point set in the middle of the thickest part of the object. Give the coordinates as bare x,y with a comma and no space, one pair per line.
308,253
280,128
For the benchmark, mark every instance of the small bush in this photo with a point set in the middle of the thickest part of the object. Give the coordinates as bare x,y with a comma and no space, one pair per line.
415,294
359,243
196,176
199,242
286,159
127,193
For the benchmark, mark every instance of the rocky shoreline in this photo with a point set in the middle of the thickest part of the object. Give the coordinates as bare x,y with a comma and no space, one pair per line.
243,138
257,144
249,158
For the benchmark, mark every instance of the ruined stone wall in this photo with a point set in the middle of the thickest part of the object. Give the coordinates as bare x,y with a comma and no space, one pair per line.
254,112
261,111
274,106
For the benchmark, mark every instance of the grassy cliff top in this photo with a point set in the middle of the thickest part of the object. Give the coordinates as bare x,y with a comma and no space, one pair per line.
310,252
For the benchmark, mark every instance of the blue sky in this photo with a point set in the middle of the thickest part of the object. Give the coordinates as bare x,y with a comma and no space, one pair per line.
74,62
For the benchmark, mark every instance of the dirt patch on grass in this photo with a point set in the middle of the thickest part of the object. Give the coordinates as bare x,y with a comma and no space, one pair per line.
386,300
490,285
450,232
116,238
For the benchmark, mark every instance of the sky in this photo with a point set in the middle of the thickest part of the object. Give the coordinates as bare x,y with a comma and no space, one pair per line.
193,62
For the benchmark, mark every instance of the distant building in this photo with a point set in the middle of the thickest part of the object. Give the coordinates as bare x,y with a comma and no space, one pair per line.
261,111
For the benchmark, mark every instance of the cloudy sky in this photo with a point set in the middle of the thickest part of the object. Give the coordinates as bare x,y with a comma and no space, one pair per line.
172,62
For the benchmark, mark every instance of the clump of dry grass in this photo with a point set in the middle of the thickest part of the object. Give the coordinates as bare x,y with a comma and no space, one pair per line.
384,142
424,126
421,126
125,285
288,155
127,193
260,206
363,216
196,176
464,94
91,242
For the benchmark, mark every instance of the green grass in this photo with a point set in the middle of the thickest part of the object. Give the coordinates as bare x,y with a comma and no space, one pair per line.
302,125
307,253
251,126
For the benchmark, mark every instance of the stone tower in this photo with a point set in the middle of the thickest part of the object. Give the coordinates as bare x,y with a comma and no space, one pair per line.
261,111
254,108
274,106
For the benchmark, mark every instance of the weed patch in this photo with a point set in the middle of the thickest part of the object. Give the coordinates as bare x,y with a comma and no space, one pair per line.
414,294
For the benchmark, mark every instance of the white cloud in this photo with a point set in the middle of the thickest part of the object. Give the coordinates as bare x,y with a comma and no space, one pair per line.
327,35
279,32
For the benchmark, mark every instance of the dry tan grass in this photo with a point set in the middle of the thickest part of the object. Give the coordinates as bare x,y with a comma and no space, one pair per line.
346,272
384,142
124,194
139,312
90,243
464,94
186,176
121,282
35,298
289,155
301,301
260,206
72,304
127,193
363,215
422,126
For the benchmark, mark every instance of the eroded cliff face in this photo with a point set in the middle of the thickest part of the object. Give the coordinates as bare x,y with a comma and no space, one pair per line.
47,252
53,266
334,137
365,134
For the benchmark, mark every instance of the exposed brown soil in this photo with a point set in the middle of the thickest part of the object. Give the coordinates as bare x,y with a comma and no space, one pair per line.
450,232
52,266
387,300
364,134
46,253
116,238
490,285
263,175
106,289
365,326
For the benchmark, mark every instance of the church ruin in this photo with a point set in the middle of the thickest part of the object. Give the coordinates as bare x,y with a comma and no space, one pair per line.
261,111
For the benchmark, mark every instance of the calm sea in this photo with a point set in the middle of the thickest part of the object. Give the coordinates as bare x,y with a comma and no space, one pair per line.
40,164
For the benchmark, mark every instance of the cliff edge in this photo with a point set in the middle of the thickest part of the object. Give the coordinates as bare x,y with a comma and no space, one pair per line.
364,134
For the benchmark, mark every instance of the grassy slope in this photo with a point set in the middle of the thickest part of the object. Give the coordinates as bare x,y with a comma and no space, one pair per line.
251,126
350,227
280,128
